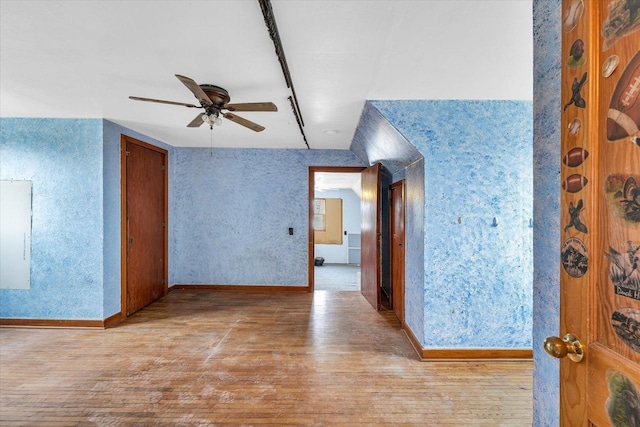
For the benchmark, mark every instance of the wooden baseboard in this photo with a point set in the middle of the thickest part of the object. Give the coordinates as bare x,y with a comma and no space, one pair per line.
449,354
240,287
113,320
62,323
430,355
413,340
52,323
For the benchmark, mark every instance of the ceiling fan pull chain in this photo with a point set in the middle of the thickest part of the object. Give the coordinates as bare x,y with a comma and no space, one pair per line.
211,152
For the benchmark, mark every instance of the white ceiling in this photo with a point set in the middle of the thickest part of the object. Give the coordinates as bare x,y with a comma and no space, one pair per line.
337,181
83,59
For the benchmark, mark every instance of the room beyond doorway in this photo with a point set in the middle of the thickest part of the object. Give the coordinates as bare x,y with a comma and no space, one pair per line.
340,268
337,277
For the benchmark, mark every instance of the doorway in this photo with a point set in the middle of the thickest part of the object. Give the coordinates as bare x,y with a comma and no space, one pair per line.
397,244
144,224
334,228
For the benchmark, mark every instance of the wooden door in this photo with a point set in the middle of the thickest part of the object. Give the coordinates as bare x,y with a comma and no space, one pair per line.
370,273
397,249
600,213
146,217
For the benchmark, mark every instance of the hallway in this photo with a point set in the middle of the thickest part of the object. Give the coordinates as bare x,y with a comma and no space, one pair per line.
250,358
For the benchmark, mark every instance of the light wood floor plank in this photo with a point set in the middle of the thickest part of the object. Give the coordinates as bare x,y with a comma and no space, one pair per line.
250,358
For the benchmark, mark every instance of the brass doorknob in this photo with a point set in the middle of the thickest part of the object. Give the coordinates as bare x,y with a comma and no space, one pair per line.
567,346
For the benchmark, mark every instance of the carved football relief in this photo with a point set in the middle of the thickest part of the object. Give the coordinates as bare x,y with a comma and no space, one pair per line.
623,117
574,183
575,157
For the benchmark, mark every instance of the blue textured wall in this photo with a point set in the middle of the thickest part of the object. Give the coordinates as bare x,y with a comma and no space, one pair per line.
546,245
415,243
478,165
232,211
111,226
63,158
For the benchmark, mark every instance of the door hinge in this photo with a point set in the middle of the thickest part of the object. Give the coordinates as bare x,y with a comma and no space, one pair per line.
164,281
164,168
164,224
126,153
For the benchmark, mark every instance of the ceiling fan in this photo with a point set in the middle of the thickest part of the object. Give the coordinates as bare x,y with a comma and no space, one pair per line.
213,99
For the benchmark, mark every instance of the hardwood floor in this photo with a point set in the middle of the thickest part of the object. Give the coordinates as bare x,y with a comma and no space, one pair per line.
255,358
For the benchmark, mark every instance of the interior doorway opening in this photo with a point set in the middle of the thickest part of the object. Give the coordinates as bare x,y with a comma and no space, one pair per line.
334,230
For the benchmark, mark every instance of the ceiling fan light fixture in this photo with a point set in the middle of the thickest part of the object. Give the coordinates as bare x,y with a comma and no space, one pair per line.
211,119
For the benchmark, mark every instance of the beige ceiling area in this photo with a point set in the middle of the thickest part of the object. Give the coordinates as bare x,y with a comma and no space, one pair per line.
83,59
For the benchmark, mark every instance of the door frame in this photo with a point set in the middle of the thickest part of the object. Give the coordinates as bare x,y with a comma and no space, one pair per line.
399,185
124,139
311,250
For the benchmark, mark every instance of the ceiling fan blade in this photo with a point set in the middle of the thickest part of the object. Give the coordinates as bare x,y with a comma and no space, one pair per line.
252,106
160,101
197,90
244,122
197,122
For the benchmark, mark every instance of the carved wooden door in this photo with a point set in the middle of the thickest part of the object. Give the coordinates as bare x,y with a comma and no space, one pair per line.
600,214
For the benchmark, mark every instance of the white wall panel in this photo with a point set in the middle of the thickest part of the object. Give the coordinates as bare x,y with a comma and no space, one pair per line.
15,234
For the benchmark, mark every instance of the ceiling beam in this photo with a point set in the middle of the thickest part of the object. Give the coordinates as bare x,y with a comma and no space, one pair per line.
270,22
